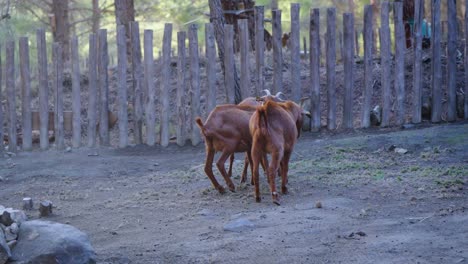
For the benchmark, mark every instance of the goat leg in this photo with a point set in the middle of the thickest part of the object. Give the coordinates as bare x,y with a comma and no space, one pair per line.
220,164
247,160
284,167
209,169
231,161
272,171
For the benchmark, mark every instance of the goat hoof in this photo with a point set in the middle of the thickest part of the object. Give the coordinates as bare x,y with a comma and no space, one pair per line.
284,190
258,199
275,198
221,190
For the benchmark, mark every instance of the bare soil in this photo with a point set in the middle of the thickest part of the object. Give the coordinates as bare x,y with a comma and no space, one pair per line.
155,205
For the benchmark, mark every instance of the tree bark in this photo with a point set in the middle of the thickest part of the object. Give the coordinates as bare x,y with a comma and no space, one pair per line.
61,28
124,14
96,18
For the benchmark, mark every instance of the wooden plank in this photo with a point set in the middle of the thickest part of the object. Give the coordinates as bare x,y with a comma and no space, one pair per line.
58,95
25,93
314,40
43,88
76,93
229,66
466,63
277,52
93,91
331,65
400,47
244,58
166,84
259,48
417,68
452,60
2,147
194,81
103,64
367,94
348,61
137,77
210,67
181,88
436,63
295,53
385,46
150,87
122,86
11,96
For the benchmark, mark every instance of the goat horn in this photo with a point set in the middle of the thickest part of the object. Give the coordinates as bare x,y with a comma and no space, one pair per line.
279,95
267,92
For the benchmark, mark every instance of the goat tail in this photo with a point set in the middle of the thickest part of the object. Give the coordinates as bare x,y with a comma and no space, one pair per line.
200,125
262,120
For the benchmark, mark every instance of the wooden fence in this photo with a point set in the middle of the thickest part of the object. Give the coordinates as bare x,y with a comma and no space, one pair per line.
150,117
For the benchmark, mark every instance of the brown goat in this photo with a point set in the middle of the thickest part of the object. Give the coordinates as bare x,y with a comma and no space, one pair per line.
274,128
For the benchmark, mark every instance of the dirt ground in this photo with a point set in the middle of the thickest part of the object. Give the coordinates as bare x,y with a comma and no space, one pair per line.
153,205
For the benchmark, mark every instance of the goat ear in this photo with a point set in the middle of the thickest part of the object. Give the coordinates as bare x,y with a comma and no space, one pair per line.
307,113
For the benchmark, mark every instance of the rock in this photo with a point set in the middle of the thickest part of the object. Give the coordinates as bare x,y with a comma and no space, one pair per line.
376,115
45,208
10,215
239,225
50,242
391,148
27,203
5,252
401,150
408,126
12,244
318,204
10,235
68,149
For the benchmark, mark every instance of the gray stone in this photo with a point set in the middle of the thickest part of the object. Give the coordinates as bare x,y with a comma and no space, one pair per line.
27,203
9,216
9,235
239,225
49,242
5,252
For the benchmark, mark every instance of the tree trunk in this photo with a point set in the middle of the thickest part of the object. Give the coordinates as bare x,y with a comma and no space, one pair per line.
96,18
61,28
218,21
124,13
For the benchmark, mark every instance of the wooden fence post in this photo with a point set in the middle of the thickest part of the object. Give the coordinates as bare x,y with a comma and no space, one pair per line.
165,84
76,93
260,47
295,53
277,52
26,93
58,95
368,86
195,81
210,67
417,69
331,67
386,63
103,64
122,86
43,88
244,58
348,61
137,76
436,63
452,60
400,47
181,88
229,66
2,147
314,47
92,97
466,63
11,96
150,89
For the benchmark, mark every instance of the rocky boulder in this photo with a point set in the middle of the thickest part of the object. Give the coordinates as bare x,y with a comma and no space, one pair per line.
49,242
4,248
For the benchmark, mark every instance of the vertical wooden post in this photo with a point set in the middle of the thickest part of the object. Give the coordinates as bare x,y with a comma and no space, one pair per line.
150,87
436,63
417,68
386,63
348,61
229,81
26,93
58,95
181,88
259,48
466,63
277,52
195,81
92,99
367,94
400,47
452,60
2,148
76,95
122,86
43,88
137,72
165,84
314,47
295,53
210,67
11,96
103,64
244,58
331,64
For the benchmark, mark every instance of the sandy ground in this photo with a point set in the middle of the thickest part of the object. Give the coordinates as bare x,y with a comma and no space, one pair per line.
153,205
